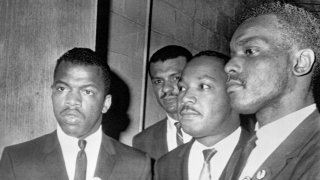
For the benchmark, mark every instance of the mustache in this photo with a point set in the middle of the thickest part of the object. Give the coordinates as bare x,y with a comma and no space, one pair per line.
70,111
235,78
166,95
187,108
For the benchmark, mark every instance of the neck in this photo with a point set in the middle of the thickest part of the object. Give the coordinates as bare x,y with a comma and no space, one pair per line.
173,115
283,107
221,132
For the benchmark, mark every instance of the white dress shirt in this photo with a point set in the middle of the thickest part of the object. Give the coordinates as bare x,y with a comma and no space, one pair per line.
70,149
224,149
171,134
270,136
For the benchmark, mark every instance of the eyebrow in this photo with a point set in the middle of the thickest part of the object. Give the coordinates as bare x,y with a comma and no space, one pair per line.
251,39
83,86
207,77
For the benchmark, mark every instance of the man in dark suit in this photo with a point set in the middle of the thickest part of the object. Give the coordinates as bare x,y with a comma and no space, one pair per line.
78,149
165,67
205,114
274,61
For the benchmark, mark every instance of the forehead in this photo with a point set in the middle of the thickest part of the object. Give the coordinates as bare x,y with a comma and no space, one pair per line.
204,66
174,65
67,71
264,27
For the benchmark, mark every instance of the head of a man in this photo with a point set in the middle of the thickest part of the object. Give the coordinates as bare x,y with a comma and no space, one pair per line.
80,92
272,57
165,67
204,105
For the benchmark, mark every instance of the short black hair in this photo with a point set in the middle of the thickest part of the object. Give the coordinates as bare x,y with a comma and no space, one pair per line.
86,57
211,53
299,26
169,52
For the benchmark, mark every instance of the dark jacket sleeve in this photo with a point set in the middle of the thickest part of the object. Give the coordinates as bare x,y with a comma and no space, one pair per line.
6,167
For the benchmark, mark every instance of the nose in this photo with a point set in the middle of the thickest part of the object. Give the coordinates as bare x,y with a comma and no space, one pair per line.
73,99
233,66
187,98
169,87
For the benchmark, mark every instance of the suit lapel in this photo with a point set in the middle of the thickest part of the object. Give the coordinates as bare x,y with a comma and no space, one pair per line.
161,145
52,158
288,149
106,159
230,167
182,161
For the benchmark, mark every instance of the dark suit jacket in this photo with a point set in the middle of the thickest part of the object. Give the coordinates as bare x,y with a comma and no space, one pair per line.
41,159
298,157
153,140
174,165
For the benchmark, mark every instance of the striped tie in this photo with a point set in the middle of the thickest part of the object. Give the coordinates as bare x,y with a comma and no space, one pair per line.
179,135
206,170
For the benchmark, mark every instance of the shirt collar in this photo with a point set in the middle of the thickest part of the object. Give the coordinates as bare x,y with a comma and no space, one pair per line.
66,140
282,127
222,144
171,120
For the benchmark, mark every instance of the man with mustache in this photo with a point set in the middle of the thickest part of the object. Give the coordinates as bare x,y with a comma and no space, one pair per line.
274,63
78,149
165,67
205,114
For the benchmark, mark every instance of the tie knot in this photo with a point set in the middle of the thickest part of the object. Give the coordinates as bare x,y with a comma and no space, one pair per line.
178,125
82,144
252,140
208,153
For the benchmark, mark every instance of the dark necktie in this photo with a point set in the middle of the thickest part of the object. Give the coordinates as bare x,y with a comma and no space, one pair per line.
179,135
251,144
81,163
206,169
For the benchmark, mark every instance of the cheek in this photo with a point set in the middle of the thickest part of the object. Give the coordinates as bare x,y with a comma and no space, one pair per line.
157,90
57,101
92,106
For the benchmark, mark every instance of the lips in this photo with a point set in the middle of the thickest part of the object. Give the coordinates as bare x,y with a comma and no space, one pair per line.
170,100
71,116
186,112
233,85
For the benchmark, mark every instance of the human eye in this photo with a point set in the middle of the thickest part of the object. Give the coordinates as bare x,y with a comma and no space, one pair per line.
156,81
177,78
88,92
204,86
181,88
251,51
59,88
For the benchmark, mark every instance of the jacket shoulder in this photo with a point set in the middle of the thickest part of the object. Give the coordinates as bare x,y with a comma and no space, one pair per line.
180,151
127,151
28,147
155,128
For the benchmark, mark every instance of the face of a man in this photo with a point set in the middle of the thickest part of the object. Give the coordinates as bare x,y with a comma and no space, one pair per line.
203,100
165,76
78,99
259,67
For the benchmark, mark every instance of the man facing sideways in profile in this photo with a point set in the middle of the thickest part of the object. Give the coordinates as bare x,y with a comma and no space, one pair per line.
274,59
165,67
205,113
78,149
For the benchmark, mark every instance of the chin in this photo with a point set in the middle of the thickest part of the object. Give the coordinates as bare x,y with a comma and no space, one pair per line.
244,108
193,131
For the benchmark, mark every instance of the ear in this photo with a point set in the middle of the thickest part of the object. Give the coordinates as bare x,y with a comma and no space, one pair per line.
304,62
107,103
